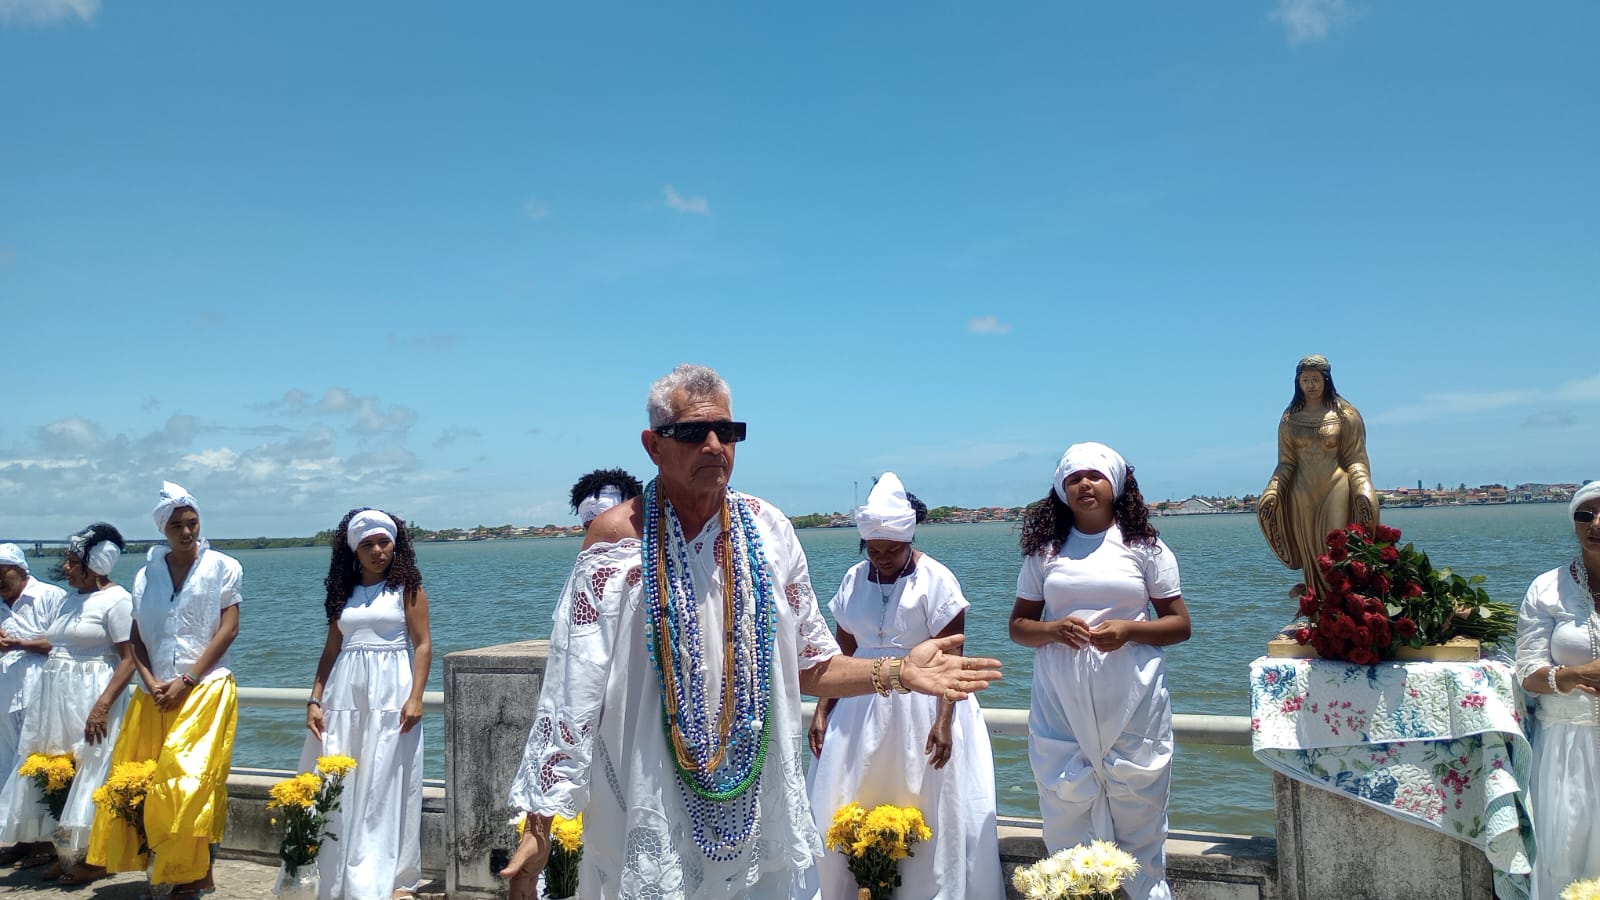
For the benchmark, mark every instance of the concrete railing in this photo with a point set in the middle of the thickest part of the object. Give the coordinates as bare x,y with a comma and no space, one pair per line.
1187,728
295,698
466,837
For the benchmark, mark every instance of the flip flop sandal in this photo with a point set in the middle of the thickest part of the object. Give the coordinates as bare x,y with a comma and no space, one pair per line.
80,875
10,855
35,858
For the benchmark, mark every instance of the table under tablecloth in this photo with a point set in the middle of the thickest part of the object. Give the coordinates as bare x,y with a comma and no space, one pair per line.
1437,744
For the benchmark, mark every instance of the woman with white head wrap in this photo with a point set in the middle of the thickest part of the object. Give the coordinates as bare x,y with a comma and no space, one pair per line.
600,490
895,748
77,706
1558,660
1100,718
31,607
366,703
183,715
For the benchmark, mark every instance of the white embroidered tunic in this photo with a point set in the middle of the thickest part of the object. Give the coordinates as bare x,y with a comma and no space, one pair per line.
1100,724
176,626
598,746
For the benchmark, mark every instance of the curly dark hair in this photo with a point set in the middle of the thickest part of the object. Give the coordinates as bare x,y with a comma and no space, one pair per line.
1330,394
1047,522
590,484
85,542
919,506
344,570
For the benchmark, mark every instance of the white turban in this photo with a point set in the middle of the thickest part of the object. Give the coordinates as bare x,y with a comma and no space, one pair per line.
101,556
598,502
1091,456
173,496
1583,495
11,555
367,523
888,515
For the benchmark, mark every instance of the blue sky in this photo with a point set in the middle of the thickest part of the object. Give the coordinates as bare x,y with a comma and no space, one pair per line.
301,257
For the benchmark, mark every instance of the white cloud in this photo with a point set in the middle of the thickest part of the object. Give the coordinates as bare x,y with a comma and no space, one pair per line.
220,458
336,400
697,205
1451,405
44,12
74,435
533,208
1305,21
988,325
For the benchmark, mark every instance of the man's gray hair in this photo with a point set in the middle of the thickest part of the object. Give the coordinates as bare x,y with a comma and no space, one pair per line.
697,382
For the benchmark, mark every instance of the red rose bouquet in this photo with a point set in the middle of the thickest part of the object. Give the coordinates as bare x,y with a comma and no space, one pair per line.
1382,596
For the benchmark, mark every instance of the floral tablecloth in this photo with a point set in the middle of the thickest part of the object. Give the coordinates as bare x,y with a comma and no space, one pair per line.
1438,744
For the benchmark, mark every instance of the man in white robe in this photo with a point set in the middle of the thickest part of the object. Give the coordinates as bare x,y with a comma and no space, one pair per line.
598,744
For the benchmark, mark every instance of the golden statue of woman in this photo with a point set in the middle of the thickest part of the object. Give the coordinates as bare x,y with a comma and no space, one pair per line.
1323,480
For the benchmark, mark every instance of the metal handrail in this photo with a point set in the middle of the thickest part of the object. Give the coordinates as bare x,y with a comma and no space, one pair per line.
295,698
1187,728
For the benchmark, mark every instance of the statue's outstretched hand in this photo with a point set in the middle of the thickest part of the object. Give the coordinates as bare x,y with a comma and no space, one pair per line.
930,669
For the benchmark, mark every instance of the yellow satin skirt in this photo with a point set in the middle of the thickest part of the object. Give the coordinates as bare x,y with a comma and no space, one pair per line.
187,806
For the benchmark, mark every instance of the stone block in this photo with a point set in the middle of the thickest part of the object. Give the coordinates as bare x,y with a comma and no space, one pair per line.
1331,847
250,834
1200,866
490,694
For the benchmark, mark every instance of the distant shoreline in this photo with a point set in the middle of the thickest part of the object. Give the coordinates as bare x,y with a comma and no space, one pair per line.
834,520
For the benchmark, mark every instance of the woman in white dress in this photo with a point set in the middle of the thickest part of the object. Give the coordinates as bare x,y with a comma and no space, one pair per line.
79,704
895,748
1100,719
1558,661
31,605
366,703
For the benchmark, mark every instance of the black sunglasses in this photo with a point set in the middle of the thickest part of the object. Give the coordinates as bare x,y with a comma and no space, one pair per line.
695,432
1583,516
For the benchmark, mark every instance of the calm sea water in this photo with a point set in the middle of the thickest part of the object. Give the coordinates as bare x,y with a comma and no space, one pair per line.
488,593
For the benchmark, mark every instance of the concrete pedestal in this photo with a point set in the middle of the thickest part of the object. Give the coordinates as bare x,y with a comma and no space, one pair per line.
1331,847
490,695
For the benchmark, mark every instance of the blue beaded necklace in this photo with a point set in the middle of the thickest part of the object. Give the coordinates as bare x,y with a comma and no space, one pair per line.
718,749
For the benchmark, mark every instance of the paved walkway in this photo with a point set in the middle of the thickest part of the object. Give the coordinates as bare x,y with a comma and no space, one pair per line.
236,880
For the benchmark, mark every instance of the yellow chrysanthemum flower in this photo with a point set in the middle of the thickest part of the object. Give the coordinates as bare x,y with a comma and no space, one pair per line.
842,830
1587,889
567,833
301,790
335,766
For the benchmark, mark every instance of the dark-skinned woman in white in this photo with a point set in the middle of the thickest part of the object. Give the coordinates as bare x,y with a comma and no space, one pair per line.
1100,721
366,703
185,616
896,748
1558,661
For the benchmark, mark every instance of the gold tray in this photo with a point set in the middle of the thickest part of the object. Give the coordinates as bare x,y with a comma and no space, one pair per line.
1457,649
